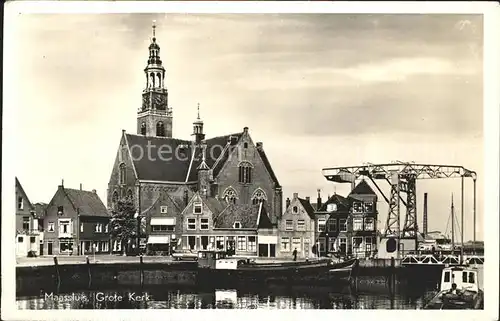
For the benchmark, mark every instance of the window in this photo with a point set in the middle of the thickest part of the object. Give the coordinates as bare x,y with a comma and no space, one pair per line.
60,210
332,225
357,207
143,129
258,196
204,224
285,244
321,225
368,244
197,208
297,244
446,276
331,244
369,224
301,225
252,244
191,224
464,277
357,224
160,129
369,207
163,209
321,241
245,145
19,203
343,225
104,246
242,243
114,200
295,210
66,246
26,223
130,195
343,245
81,227
98,228
220,242
32,239
64,226
50,227
357,243
332,207
245,171
123,174
230,195
288,225
162,228
237,224
106,228
20,239
472,278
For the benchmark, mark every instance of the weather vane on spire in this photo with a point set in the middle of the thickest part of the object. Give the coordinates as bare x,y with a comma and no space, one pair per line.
198,110
154,28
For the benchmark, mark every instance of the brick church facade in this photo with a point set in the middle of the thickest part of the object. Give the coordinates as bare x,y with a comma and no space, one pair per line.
162,173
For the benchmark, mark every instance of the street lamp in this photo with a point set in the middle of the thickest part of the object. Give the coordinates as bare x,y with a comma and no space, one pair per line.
138,231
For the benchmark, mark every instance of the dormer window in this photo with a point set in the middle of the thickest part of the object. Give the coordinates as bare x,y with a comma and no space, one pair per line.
60,210
163,209
331,208
295,210
237,224
197,208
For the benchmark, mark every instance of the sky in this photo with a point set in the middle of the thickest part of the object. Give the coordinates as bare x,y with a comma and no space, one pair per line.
319,90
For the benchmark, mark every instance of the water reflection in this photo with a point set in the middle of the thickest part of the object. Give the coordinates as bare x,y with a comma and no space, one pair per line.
282,297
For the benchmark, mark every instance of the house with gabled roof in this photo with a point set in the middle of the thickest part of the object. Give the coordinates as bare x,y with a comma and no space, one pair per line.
348,225
28,236
76,222
152,163
211,223
296,228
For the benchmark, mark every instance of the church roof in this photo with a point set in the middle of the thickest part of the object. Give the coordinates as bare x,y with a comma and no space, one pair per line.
362,189
86,203
177,160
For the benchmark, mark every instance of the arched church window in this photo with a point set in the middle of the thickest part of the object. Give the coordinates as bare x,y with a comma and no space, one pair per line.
230,195
245,173
122,173
159,79
143,129
160,129
259,196
114,199
130,195
153,80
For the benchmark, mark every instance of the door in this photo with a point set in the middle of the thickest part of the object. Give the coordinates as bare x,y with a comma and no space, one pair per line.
272,250
41,249
49,248
263,250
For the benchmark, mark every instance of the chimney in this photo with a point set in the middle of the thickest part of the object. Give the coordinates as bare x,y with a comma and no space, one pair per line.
287,203
424,232
319,199
295,195
80,186
93,191
259,145
308,199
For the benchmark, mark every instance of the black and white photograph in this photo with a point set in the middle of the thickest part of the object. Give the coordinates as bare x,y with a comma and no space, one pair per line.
260,160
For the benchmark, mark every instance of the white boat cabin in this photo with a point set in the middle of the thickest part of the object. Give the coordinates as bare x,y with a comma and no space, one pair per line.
216,260
465,278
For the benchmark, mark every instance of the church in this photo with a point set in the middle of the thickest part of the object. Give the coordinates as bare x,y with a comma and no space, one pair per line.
163,174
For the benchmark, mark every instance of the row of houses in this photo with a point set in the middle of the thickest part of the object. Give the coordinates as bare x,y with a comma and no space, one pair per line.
76,222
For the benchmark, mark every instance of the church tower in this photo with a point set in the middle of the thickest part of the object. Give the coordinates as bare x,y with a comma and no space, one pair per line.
154,118
198,128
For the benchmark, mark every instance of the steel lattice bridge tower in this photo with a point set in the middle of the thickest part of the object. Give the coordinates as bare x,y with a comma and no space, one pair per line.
402,179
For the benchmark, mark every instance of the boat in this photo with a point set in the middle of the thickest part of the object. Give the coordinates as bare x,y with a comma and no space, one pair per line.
216,266
459,289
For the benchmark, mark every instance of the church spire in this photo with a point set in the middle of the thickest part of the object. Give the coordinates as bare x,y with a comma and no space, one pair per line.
198,128
154,117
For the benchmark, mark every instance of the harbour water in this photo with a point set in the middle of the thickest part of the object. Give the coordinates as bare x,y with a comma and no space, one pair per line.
269,297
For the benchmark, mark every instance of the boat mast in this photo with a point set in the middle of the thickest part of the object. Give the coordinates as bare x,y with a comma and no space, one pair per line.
452,224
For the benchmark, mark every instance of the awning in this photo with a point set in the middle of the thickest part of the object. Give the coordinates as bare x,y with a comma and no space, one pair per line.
159,239
162,221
